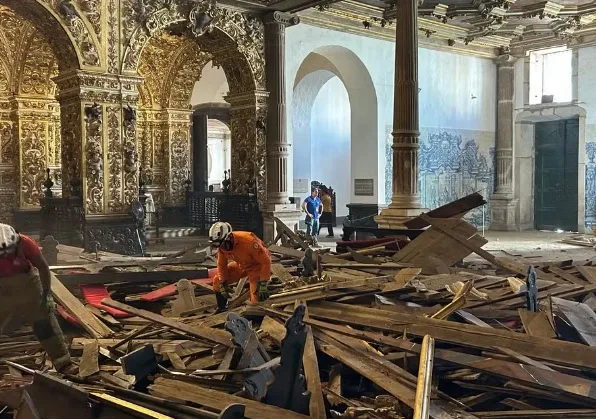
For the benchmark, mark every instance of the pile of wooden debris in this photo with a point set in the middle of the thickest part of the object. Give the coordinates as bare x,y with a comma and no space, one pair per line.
370,333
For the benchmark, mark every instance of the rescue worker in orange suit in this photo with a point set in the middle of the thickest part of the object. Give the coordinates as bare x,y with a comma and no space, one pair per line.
240,254
25,280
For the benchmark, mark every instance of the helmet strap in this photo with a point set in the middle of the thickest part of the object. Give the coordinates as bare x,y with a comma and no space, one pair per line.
227,244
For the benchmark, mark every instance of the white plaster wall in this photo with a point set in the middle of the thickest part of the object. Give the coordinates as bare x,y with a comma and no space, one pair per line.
447,81
587,84
330,137
211,87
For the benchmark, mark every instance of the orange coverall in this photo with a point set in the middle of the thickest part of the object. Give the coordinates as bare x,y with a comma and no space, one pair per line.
249,257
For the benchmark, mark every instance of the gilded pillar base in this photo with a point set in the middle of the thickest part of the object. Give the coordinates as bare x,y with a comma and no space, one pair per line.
503,216
287,213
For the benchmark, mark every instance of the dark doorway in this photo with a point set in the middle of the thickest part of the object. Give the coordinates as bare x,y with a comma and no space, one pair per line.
555,183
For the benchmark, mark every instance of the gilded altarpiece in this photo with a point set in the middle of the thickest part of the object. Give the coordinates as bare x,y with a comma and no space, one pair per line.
70,99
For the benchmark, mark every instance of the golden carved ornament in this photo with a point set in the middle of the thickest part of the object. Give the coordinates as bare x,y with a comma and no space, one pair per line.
179,163
8,143
245,34
74,21
33,161
94,158
113,36
131,156
115,199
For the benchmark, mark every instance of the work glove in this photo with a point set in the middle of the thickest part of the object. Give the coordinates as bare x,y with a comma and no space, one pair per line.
47,301
263,290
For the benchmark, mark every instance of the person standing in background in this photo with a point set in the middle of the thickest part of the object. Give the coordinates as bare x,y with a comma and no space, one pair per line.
313,208
327,215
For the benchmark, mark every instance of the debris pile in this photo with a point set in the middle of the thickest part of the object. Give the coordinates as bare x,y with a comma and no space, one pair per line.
370,333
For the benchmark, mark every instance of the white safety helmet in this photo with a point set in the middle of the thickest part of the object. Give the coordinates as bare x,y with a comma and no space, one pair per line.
219,232
9,239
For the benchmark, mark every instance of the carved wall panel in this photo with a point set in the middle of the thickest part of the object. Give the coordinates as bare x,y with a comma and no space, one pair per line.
94,159
113,36
131,157
115,191
249,152
179,154
8,170
33,137
70,124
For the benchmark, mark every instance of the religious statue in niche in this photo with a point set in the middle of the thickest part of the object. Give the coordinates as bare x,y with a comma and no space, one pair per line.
93,113
130,115
131,158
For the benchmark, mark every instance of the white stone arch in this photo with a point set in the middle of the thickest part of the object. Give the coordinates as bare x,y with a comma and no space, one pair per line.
317,68
524,155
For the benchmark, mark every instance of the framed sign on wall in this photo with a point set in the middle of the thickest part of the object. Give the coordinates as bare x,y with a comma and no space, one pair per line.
364,187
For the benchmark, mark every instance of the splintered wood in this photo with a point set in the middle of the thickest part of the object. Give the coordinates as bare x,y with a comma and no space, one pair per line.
368,333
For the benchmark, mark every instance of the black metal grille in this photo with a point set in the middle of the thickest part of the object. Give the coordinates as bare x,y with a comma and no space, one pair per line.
240,210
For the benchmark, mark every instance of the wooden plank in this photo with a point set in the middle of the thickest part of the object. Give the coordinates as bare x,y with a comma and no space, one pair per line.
74,307
566,275
75,279
176,361
202,333
566,353
90,359
217,400
274,329
589,272
581,317
579,388
382,372
281,272
539,414
313,380
537,324
125,405
454,209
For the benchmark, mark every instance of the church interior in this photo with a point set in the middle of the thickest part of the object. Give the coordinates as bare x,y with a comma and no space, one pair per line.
179,98
129,128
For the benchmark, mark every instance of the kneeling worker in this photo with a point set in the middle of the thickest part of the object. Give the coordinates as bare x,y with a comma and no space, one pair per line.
249,257
25,281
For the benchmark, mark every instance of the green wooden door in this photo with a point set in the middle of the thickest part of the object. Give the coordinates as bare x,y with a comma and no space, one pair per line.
555,182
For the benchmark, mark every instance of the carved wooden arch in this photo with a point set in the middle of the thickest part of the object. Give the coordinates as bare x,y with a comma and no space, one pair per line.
36,68
235,40
70,38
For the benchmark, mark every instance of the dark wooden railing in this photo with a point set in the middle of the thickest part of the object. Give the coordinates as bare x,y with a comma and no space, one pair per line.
240,210
64,219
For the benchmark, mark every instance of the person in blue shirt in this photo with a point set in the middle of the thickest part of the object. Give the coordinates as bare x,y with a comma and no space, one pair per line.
313,208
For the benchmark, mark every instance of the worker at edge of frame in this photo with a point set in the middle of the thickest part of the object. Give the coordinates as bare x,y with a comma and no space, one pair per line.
25,288
239,254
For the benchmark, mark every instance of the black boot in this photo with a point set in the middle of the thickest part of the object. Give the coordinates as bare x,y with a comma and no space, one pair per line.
222,302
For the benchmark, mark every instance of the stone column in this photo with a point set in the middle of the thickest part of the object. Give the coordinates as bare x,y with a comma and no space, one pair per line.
277,144
405,201
503,203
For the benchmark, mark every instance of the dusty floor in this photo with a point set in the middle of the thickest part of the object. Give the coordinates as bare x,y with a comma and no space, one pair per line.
526,243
